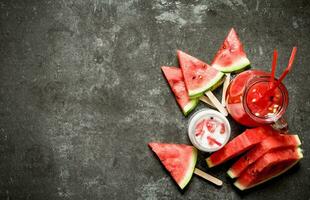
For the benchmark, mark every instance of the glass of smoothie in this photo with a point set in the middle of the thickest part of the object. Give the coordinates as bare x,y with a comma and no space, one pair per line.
208,130
249,104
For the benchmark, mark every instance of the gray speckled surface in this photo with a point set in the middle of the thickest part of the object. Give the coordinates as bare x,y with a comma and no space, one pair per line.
81,93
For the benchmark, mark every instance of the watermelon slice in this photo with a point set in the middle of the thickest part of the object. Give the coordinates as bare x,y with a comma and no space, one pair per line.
240,144
178,159
198,76
269,166
175,79
267,145
231,56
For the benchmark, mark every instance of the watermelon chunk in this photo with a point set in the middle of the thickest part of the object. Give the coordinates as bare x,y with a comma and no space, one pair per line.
240,144
178,159
267,145
175,79
231,56
198,76
268,166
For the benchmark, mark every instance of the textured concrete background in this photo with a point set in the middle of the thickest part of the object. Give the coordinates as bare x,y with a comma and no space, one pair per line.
81,93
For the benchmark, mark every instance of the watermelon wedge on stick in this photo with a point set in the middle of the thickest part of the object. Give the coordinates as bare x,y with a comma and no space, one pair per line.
175,79
180,161
240,144
200,78
231,56
268,166
269,144
198,75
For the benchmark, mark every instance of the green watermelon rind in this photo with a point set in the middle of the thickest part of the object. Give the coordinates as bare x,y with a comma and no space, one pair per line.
209,162
233,175
200,91
190,106
190,170
242,63
242,187
218,84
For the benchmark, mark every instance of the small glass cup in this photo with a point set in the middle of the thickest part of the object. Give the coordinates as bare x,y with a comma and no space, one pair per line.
198,117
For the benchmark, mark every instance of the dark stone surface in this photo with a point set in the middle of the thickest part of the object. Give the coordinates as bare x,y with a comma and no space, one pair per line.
81,93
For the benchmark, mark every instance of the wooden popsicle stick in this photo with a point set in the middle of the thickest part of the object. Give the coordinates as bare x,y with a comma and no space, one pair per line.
207,101
226,83
208,177
216,102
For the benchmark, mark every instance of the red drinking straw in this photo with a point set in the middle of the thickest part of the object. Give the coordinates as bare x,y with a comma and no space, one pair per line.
287,70
283,75
273,66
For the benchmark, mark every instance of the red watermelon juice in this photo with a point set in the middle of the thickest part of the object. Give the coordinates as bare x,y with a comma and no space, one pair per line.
247,103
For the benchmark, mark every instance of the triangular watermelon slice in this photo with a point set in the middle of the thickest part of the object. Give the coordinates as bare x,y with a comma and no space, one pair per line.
269,144
178,159
175,79
198,75
269,166
231,56
240,144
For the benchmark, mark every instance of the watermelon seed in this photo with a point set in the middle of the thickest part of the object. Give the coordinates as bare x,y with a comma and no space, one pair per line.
200,77
271,98
198,133
194,77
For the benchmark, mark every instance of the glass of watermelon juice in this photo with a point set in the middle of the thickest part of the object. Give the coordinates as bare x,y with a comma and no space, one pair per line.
208,130
247,103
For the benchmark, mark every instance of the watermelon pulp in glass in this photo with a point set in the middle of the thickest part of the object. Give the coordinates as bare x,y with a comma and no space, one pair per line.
178,159
198,75
240,144
269,144
231,56
268,166
175,79
234,97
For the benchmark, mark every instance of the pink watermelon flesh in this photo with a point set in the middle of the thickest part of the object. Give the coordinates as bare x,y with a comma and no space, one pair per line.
268,166
211,125
198,76
240,144
231,56
175,79
178,159
267,145
199,127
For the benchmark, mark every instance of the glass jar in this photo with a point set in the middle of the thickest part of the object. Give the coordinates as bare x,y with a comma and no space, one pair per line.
248,104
